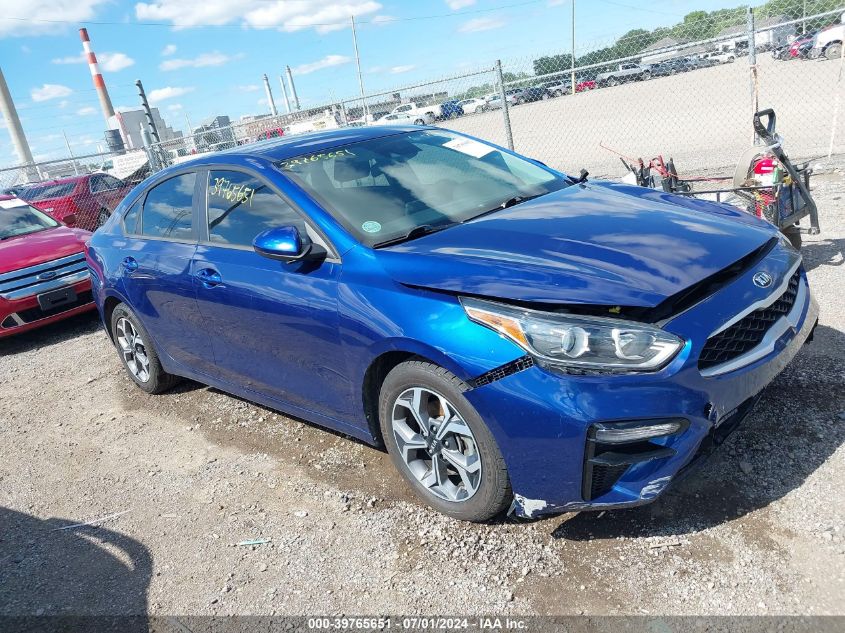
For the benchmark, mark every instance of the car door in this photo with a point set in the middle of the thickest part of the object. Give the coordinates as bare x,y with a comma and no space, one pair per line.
156,271
112,191
273,325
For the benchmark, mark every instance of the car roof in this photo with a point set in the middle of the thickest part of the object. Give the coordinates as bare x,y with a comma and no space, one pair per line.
295,145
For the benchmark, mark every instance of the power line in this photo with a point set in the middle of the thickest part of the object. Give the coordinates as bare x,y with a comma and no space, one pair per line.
344,22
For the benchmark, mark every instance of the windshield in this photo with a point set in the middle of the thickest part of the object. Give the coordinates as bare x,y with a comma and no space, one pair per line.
21,220
384,188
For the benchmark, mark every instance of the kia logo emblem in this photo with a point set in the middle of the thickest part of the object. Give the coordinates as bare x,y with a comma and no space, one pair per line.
762,280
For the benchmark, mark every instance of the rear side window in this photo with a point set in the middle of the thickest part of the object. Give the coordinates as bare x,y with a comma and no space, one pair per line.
46,192
168,208
130,218
241,206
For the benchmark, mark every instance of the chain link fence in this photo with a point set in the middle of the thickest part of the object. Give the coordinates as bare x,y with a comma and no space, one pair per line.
687,92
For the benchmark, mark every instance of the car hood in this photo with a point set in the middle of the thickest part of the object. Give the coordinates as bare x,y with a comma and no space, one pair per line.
597,244
44,246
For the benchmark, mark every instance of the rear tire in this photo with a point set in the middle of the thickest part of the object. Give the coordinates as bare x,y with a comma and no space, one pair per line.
793,234
479,490
419,122
612,81
139,357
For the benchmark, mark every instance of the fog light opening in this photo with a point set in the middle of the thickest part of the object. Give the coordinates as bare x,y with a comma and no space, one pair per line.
628,433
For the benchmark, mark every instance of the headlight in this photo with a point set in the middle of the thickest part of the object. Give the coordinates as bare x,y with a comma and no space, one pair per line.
583,342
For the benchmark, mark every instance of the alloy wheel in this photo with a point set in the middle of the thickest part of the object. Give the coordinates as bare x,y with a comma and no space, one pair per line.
133,350
436,444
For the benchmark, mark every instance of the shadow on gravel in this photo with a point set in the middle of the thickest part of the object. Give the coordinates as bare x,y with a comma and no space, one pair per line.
52,334
825,253
797,425
83,571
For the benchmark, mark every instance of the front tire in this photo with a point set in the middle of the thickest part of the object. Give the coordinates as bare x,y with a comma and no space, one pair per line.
440,444
834,51
139,358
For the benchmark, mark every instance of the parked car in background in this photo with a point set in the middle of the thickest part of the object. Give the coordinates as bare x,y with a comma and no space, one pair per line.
557,88
419,112
827,42
494,102
671,67
624,73
720,57
43,274
800,48
586,84
473,106
451,109
531,94
514,337
88,199
400,118
271,133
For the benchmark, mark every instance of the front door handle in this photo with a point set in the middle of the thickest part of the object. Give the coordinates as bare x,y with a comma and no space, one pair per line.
209,277
130,264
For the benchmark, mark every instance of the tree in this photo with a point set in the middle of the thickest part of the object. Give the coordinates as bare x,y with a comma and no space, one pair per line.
552,64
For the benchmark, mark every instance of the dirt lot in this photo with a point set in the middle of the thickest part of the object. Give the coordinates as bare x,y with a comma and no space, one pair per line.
187,476
702,118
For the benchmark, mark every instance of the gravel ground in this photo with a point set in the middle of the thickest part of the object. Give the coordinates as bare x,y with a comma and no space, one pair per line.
702,118
186,478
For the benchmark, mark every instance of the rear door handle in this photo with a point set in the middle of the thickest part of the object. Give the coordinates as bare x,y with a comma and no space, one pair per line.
209,277
130,264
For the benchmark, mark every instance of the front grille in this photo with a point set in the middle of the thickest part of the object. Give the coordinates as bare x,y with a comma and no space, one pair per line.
34,314
34,280
748,332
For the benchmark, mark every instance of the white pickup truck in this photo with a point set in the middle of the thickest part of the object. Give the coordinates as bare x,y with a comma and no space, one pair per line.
425,114
625,72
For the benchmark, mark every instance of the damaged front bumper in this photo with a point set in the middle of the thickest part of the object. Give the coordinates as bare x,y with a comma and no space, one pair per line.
543,422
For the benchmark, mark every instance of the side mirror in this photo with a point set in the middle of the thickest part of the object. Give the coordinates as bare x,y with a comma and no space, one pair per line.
286,244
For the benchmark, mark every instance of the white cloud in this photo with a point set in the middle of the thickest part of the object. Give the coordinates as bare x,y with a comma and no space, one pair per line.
86,111
398,70
248,88
174,107
109,62
481,24
49,91
322,15
169,92
200,61
327,62
459,4
45,16
381,20
168,50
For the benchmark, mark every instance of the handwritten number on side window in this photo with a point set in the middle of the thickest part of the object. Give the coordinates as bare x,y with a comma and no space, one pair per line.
226,189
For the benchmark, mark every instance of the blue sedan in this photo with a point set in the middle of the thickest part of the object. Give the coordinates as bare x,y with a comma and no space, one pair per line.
516,339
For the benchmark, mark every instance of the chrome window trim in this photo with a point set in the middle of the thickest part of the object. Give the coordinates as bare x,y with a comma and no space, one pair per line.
767,345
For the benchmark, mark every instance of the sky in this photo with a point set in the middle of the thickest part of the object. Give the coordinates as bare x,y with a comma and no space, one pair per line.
201,58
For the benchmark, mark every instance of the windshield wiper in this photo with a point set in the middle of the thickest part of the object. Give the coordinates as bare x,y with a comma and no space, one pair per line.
507,204
414,233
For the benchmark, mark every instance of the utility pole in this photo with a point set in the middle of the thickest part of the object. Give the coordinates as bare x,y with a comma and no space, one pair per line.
151,124
358,64
573,47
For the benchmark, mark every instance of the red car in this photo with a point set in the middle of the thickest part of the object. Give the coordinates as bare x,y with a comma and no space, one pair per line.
582,86
90,199
43,274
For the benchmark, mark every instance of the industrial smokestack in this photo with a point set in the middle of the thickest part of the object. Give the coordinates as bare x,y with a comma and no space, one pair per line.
99,84
13,123
270,96
292,89
284,94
